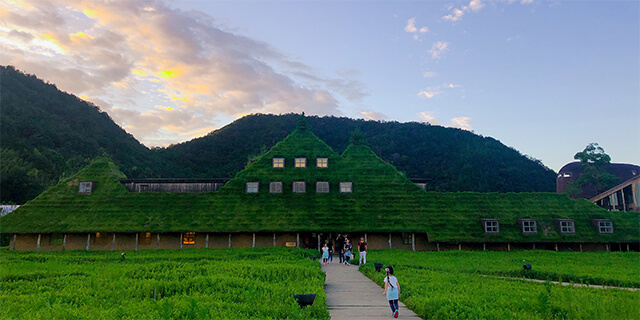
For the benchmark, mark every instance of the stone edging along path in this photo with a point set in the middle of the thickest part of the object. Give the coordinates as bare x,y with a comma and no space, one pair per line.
351,295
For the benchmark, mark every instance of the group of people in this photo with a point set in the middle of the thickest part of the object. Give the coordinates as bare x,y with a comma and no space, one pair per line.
344,248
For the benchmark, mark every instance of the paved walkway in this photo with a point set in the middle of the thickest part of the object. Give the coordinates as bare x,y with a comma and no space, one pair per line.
351,295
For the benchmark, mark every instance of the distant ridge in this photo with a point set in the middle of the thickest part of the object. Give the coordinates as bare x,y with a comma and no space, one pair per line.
449,159
47,134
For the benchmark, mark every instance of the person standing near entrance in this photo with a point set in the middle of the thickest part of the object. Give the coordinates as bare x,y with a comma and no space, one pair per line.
340,247
392,290
362,250
330,246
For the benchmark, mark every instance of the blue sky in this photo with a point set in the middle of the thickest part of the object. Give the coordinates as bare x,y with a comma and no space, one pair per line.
546,78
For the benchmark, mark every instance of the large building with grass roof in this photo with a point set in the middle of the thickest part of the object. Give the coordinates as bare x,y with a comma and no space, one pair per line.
301,193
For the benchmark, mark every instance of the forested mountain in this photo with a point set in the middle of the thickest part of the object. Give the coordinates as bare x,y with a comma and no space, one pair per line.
451,159
46,134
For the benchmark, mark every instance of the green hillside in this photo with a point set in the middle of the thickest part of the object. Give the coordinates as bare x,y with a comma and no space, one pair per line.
47,134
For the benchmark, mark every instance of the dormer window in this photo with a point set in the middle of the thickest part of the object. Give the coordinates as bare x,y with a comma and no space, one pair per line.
604,226
322,162
346,187
299,187
491,226
529,226
278,162
252,187
275,187
301,162
566,226
322,187
85,187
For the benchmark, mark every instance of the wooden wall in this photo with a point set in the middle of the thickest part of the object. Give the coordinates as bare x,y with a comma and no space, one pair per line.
146,241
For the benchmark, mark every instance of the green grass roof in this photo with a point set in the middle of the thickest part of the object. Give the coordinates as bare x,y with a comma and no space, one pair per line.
382,200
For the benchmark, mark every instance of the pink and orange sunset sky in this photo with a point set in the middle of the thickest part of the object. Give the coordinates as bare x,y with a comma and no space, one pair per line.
544,77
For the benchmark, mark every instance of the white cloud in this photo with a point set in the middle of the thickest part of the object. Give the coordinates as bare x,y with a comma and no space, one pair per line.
429,74
411,28
427,117
438,49
457,13
373,115
411,25
526,2
462,123
429,92
434,91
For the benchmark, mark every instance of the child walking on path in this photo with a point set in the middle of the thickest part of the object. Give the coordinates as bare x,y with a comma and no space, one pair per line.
325,254
347,252
392,291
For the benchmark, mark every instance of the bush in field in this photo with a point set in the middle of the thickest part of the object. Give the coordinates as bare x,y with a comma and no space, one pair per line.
187,284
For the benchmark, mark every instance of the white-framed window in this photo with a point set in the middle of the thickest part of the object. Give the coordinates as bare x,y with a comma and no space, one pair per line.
605,226
567,226
567,174
529,226
346,187
252,187
322,162
301,162
278,162
85,187
491,226
322,187
299,187
275,187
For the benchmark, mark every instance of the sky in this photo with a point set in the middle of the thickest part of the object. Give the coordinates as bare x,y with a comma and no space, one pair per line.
544,77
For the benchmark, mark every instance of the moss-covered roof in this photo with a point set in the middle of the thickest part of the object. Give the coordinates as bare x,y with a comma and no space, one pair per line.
383,200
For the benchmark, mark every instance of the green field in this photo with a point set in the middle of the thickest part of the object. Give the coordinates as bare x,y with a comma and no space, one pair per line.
166,284
462,284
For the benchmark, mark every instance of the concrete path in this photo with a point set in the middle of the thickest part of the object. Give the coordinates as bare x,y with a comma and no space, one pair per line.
351,295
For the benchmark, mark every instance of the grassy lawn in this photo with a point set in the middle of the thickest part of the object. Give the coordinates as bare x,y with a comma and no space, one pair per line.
454,285
160,284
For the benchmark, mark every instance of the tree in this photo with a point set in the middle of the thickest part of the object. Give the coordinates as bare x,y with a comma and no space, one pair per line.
593,160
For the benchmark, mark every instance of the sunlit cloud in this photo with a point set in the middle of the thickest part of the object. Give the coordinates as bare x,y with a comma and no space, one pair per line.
429,93
462,123
427,117
438,49
429,74
432,92
411,28
130,55
373,115
457,13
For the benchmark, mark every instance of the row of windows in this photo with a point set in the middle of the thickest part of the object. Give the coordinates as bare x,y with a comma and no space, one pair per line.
530,226
301,162
299,187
